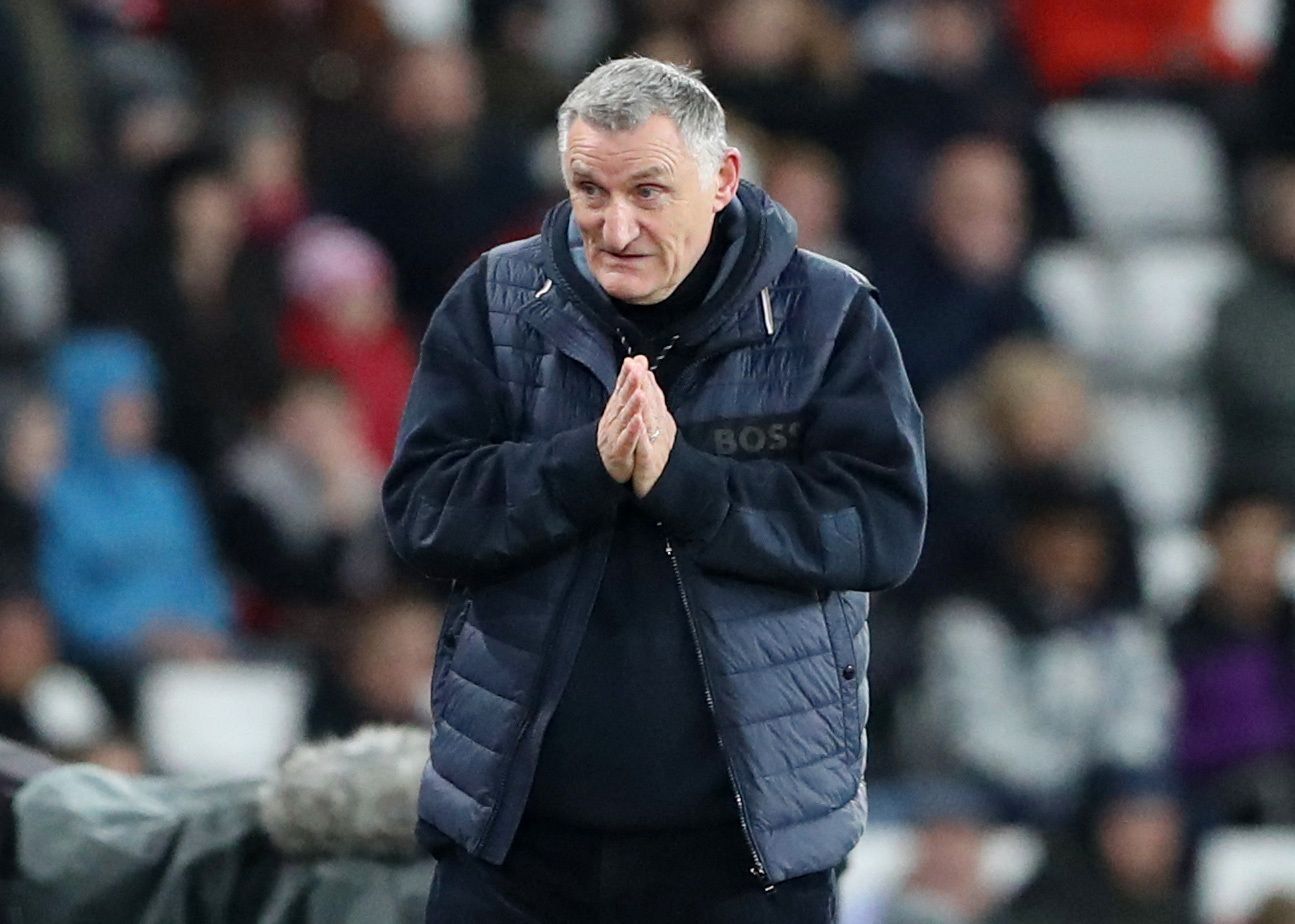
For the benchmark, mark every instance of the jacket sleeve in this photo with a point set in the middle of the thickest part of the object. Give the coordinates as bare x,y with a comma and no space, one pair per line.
462,499
849,514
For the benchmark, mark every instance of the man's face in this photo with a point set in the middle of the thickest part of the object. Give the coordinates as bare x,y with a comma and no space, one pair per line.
644,210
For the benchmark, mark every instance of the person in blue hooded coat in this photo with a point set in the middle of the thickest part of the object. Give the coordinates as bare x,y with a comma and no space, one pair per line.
126,561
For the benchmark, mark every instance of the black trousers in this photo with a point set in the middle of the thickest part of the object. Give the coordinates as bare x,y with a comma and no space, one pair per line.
559,875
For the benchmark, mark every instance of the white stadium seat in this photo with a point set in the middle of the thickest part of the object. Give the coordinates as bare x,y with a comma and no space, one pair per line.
1072,284
1159,450
1138,169
1239,868
221,718
1175,563
884,857
1169,294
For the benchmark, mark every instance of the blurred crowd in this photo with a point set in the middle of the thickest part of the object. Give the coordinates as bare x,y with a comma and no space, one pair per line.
224,225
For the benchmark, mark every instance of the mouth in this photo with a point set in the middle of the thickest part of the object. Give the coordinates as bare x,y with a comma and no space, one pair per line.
627,257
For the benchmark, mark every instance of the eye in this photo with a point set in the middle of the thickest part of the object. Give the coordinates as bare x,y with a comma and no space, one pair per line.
588,190
648,193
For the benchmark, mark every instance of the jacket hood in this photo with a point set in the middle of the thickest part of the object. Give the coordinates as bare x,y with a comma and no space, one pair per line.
760,240
85,372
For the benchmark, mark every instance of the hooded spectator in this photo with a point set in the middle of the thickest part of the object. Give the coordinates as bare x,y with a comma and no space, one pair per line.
126,563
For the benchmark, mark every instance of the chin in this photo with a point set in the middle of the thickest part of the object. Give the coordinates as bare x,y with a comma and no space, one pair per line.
625,290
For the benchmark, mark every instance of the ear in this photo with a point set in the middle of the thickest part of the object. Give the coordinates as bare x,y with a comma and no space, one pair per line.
730,171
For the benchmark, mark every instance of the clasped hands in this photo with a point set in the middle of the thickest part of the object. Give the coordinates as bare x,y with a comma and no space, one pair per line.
637,431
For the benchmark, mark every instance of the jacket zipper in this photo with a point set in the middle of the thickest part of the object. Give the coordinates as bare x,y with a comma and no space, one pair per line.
758,869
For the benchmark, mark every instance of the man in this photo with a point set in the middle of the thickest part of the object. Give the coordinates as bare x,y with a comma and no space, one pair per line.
649,693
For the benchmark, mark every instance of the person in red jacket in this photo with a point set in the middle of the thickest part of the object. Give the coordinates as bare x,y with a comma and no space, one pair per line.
342,317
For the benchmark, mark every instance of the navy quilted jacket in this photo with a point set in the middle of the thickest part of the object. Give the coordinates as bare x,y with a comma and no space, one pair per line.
797,485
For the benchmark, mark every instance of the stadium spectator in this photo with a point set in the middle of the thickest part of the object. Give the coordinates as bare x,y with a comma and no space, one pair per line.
147,112
206,300
44,703
522,86
299,513
957,73
382,672
33,280
947,884
435,178
1124,868
342,318
1030,414
957,291
808,181
41,65
1031,690
125,560
264,135
31,452
785,65
1278,92
1235,652
1250,375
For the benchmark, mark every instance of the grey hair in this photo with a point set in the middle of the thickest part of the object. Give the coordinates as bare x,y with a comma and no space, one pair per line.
623,94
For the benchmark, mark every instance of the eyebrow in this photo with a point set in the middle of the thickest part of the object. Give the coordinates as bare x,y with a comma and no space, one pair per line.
656,172
651,173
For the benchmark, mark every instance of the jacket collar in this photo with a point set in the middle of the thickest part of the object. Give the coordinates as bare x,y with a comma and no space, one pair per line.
762,239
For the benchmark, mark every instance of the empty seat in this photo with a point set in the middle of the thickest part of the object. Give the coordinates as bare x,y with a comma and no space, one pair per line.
885,855
1239,868
1175,563
222,718
1136,169
1072,284
1168,297
1159,449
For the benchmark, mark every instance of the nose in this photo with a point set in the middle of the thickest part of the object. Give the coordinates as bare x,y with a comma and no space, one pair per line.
620,227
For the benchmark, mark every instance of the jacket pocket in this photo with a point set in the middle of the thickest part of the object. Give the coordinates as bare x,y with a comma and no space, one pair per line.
445,648
848,670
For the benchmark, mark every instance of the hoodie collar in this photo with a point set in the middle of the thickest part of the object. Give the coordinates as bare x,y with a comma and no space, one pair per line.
761,237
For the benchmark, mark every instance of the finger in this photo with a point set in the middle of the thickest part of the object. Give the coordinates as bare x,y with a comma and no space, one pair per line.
625,385
623,448
627,365
633,405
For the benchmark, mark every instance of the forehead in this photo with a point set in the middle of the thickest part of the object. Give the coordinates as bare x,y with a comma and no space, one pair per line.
653,148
